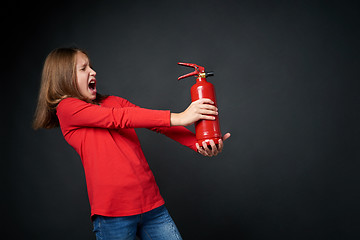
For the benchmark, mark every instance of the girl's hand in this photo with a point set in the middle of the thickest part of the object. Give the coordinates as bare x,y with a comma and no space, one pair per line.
214,150
200,109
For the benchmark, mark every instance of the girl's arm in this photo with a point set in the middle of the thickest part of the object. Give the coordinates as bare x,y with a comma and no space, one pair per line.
187,138
74,113
200,109
180,134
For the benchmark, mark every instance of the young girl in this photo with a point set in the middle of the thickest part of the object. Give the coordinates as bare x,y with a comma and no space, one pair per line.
124,198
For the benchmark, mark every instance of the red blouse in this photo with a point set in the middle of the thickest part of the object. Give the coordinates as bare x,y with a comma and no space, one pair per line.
119,180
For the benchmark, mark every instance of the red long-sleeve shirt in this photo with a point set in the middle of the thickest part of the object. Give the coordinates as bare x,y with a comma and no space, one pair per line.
119,180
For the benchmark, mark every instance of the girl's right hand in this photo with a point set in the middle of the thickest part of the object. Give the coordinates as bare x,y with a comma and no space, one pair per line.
198,110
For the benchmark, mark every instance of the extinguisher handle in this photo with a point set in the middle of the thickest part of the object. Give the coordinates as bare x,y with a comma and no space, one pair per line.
187,64
188,75
198,70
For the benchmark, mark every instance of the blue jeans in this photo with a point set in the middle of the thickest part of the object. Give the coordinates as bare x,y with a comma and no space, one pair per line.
156,224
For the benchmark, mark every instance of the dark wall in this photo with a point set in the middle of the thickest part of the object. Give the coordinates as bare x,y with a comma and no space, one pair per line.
287,82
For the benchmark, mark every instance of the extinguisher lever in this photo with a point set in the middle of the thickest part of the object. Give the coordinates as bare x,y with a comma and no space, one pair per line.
198,70
188,75
187,64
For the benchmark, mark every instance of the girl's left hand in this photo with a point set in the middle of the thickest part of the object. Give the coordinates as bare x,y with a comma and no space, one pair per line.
214,150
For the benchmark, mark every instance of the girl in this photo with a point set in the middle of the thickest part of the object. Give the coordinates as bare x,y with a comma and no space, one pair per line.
124,198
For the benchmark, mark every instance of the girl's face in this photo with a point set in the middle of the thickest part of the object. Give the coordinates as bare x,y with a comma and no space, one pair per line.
85,75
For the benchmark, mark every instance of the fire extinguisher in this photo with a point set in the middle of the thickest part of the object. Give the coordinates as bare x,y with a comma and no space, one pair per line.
206,130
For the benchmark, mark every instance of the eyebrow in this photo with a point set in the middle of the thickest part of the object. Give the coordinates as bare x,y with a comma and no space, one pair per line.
84,64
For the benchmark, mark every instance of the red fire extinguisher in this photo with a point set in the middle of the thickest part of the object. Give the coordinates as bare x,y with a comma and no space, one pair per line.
206,130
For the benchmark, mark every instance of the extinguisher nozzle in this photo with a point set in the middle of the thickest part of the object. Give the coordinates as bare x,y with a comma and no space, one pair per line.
209,74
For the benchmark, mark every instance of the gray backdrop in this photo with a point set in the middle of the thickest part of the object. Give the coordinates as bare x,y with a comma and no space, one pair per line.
287,80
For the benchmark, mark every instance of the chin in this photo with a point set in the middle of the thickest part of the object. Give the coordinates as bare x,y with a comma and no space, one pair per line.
92,97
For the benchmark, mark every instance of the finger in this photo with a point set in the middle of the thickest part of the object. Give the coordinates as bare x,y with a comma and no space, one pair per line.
207,117
226,136
200,149
205,100
208,112
207,150
208,107
203,152
221,145
214,150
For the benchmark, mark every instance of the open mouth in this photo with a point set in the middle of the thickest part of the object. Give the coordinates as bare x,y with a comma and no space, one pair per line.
92,85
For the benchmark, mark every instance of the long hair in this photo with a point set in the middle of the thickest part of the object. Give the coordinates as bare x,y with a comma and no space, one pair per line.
58,81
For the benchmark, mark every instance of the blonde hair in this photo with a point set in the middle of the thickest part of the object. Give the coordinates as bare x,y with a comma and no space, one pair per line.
58,81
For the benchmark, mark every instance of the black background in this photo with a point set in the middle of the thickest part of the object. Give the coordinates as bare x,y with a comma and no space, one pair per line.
287,82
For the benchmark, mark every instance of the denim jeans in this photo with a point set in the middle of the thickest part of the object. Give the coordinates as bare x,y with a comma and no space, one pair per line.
156,224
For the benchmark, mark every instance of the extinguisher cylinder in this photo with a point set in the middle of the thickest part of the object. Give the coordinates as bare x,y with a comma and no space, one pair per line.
206,130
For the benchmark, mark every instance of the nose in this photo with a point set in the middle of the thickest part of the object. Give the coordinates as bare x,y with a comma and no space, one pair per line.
92,72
